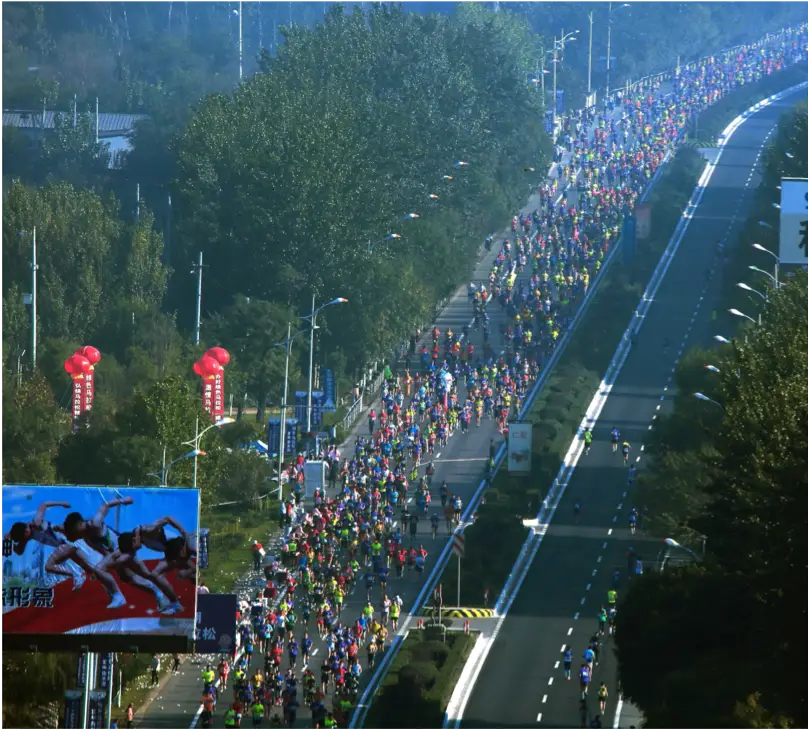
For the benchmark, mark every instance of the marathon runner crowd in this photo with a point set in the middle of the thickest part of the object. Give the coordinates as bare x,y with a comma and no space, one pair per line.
360,539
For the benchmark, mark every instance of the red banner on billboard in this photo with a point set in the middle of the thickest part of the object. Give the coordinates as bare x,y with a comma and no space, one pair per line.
218,396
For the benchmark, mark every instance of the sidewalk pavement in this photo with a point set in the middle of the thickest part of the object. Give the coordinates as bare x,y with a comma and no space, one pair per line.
173,704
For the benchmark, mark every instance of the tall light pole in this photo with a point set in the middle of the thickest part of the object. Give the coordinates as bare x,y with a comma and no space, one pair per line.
287,345
34,269
609,47
589,68
556,44
163,475
701,396
776,258
195,453
389,236
313,317
197,269
240,45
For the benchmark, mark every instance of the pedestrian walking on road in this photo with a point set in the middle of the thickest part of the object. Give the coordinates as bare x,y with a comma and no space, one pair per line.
155,669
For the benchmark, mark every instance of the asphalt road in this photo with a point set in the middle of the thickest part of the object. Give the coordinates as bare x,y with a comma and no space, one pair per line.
567,582
462,463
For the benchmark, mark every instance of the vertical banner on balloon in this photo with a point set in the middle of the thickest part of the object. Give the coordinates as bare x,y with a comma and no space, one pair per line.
207,394
93,356
218,395
78,399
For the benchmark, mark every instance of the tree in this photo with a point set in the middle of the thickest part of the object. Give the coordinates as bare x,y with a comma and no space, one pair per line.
33,427
250,330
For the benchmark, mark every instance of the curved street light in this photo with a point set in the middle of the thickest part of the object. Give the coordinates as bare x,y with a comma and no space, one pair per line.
372,244
719,338
197,436
746,287
712,368
735,312
701,396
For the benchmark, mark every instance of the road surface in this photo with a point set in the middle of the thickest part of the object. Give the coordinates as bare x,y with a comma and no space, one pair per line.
567,582
462,463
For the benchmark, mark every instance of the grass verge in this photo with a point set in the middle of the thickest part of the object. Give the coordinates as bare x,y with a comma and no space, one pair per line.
232,530
420,681
494,541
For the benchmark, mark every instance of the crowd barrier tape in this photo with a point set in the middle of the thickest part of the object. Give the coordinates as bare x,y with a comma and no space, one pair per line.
358,717
457,703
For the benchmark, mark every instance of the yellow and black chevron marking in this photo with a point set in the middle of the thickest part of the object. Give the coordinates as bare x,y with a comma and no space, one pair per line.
461,612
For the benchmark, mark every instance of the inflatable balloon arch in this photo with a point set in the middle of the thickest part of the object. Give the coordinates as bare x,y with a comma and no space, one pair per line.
81,367
210,367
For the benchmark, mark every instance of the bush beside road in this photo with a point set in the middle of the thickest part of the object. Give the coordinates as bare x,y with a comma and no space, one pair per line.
421,680
495,540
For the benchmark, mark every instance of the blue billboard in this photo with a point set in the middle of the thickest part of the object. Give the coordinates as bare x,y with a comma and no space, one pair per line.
98,561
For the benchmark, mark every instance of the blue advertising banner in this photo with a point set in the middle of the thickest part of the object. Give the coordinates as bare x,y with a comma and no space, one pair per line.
559,102
629,238
291,436
317,399
98,535
216,623
105,671
301,405
98,709
274,435
330,390
202,549
72,719
81,670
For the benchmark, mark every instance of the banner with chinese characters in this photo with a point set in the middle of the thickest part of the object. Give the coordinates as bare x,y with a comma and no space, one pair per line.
72,717
202,549
520,441
78,399
216,623
329,390
97,710
66,551
105,670
218,396
207,394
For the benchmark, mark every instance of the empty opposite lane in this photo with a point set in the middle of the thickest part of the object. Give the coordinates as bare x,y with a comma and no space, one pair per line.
567,582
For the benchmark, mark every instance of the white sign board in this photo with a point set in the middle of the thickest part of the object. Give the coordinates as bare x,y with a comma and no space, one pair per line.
314,473
794,220
520,441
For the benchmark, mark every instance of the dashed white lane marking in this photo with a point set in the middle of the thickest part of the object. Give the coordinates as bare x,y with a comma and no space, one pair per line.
550,682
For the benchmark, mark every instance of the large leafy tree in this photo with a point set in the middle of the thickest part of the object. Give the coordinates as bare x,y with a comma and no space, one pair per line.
749,495
350,128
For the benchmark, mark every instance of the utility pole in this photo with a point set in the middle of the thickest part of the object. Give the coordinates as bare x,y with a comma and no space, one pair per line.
589,69
97,119
34,269
240,45
555,95
282,445
197,269
609,51
137,198
311,362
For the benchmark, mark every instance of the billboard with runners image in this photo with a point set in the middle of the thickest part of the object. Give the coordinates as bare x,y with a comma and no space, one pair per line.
99,567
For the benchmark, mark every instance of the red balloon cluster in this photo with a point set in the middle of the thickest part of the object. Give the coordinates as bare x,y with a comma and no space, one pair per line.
77,365
91,353
212,363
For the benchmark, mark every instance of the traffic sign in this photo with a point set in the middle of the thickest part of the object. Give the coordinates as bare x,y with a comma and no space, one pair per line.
459,545
794,220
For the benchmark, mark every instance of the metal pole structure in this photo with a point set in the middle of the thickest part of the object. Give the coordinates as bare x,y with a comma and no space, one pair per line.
776,273
109,689
555,95
89,685
282,445
137,198
34,269
589,69
198,298
543,97
311,364
163,469
458,580
240,46
609,51
97,116
196,449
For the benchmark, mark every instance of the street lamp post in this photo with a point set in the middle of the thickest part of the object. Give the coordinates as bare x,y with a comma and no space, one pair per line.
313,317
589,66
609,47
165,467
673,544
556,44
735,312
701,396
759,247
197,269
389,236
195,453
287,345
